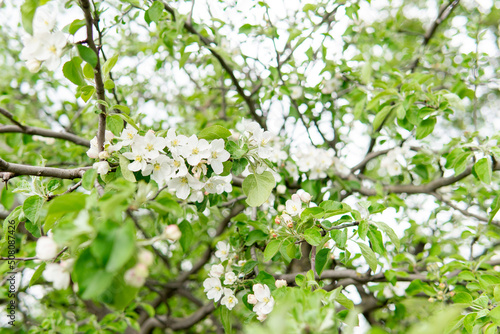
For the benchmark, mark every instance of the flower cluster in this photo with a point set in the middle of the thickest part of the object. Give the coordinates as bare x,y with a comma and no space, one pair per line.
315,161
213,286
222,281
178,161
46,45
293,208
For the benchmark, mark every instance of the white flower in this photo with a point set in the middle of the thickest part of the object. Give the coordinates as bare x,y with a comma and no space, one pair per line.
265,302
58,274
174,142
217,270
180,168
145,257
280,283
196,196
182,185
162,168
281,188
50,48
44,19
139,160
136,276
150,145
102,167
294,206
230,278
213,288
261,316
217,155
296,92
229,299
195,150
46,248
219,184
251,299
249,128
264,144
172,232
223,250
127,135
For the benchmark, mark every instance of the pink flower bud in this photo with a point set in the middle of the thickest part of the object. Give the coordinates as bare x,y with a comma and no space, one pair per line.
295,198
289,225
172,232
277,220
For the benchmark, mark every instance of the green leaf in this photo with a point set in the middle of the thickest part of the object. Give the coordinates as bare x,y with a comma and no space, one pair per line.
313,236
390,232
109,64
123,247
495,206
28,9
271,249
186,236
380,117
482,168
154,12
425,127
126,173
72,70
225,319
87,54
321,260
258,187
214,132
76,25
109,84
67,203
369,256
37,274
254,236
31,208
115,124
89,178
127,119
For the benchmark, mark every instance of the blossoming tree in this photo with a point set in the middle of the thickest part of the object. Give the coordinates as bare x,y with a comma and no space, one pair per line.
251,166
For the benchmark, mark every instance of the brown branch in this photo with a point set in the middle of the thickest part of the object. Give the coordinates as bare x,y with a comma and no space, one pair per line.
247,98
30,130
19,169
370,156
444,12
177,323
10,116
462,211
70,190
99,84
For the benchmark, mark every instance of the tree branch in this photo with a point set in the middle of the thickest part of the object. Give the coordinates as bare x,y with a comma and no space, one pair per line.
30,130
443,15
247,98
19,169
99,84
10,116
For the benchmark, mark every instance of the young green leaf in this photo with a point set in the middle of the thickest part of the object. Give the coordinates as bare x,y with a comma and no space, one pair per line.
258,187
369,256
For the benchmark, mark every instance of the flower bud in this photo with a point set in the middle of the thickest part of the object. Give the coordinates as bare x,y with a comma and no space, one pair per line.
145,257
280,283
281,188
33,65
274,235
287,219
305,197
103,155
251,299
296,198
281,207
172,232
442,286
277,220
